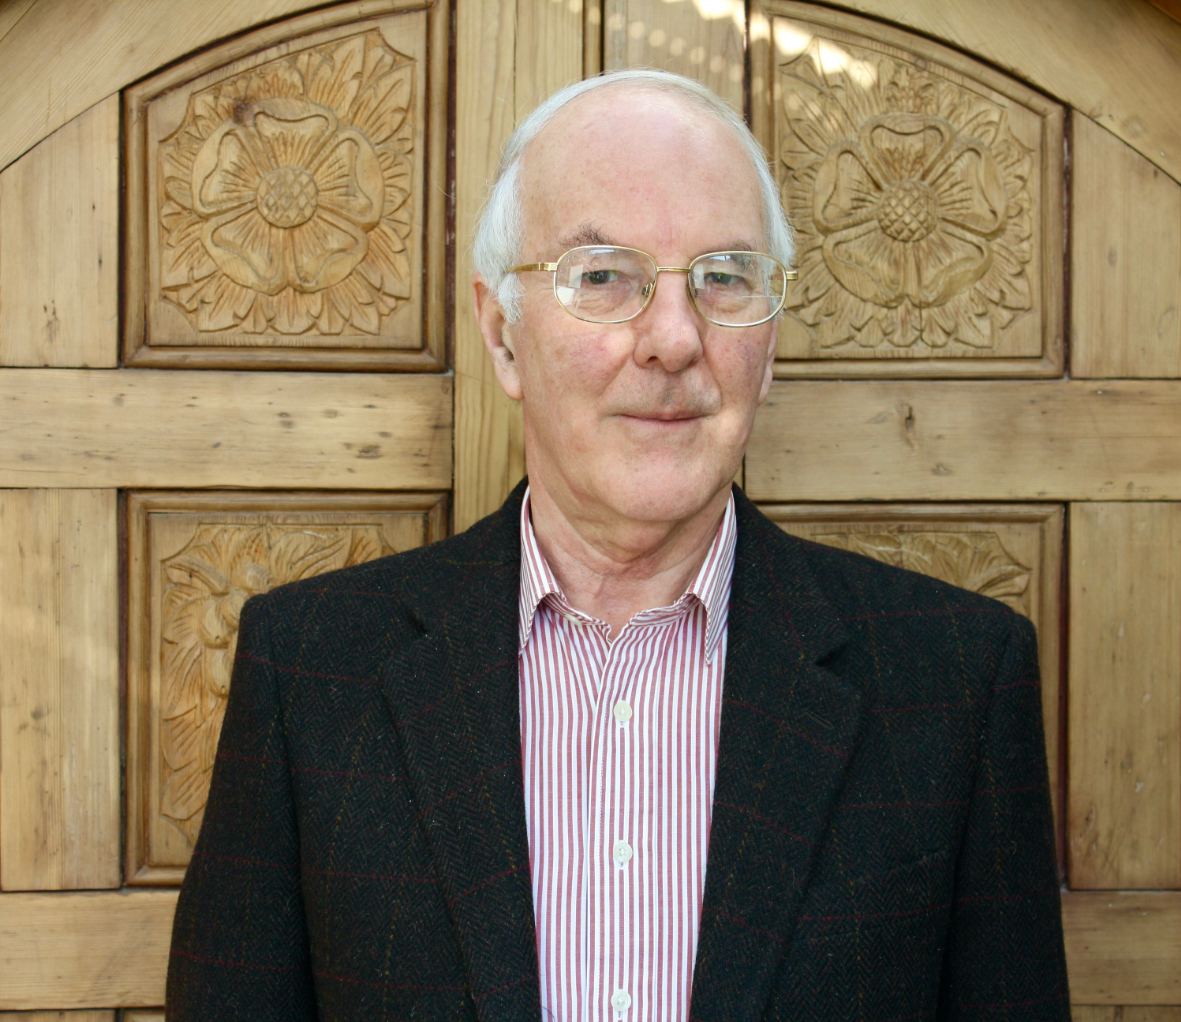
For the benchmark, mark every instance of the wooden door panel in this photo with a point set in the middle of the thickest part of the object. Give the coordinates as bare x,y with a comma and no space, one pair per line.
59,690
925,192
1124,818
194,558
285,199
1125,259
59,244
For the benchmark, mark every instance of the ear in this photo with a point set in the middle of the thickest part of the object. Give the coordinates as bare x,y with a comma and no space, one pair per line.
498,338
772,344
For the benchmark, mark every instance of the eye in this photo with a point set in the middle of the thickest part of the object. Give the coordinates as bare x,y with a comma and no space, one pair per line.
719,279
600,277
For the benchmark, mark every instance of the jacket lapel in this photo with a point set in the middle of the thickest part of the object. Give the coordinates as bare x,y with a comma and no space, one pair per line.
455,700
789,728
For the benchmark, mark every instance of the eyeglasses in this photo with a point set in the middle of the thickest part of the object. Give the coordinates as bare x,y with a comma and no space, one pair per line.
611,284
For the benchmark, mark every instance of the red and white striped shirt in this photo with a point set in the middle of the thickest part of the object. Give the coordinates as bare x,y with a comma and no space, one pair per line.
620,740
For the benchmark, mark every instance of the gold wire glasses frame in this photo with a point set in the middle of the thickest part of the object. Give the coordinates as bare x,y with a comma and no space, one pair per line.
596,283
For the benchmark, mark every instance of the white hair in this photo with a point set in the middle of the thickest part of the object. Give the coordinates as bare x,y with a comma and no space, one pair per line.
501,228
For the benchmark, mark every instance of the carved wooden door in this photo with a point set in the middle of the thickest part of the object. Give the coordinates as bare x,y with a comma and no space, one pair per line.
237,348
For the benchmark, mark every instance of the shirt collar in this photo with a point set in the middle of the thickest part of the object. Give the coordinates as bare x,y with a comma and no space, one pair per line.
711,585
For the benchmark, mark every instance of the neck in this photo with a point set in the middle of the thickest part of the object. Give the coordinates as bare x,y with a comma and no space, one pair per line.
612,567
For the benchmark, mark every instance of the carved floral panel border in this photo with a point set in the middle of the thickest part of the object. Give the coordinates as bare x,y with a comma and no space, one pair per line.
925,190
1010,552
284,197
194,560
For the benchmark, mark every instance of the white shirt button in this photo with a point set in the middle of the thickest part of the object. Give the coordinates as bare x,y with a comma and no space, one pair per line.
621,1000
622,852
622,711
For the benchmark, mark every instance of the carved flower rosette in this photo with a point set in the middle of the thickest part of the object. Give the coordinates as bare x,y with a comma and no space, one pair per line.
285,194
204,588
910,197
976,561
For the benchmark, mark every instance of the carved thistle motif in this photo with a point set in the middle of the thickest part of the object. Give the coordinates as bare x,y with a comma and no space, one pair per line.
204,588
285,194
911,202
971,560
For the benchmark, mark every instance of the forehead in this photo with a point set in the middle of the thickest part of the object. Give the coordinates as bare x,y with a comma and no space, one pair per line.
642,168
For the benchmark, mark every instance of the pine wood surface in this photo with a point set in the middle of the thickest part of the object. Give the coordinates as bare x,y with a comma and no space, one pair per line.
705,41
508,58
85,949
1122,1013
1125,260
59,244
161,428
1124,819
59,1016
1123,948
1118,61
970,440
59,690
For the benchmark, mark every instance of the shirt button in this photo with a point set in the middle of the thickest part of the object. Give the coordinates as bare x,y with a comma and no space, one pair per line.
623,853
621,1000
623,712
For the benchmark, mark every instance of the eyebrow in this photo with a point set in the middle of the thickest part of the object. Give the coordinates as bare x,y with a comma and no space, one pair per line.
587,234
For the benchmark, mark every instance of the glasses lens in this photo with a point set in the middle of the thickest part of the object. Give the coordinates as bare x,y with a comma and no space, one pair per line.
602,284
737,288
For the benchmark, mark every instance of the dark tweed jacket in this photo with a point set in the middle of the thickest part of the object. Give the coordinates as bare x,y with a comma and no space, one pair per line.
881,848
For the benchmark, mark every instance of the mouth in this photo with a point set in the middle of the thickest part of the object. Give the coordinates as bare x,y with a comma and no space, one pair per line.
661,416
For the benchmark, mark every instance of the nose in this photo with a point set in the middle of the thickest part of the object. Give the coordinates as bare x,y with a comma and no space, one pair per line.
669,332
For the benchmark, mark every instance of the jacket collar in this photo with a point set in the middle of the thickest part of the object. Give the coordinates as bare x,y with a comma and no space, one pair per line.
454,697
789,728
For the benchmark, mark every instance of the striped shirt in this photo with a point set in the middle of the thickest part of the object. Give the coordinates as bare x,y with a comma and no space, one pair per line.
619,741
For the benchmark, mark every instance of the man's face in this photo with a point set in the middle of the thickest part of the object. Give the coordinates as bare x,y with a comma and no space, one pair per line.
647,419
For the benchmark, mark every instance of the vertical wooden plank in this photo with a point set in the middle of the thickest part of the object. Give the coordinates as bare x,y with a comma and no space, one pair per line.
59,690
1125,260
1092,1013
59,239
1124,814
508,58
702,39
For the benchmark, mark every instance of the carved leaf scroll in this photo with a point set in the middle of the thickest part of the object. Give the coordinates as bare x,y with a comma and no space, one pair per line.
204,588
911,199
284,203
977,561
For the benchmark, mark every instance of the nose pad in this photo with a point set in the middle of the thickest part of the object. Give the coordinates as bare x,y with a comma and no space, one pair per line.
646,290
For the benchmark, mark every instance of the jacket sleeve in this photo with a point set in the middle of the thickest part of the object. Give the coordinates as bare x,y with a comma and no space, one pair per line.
1005,957
239,942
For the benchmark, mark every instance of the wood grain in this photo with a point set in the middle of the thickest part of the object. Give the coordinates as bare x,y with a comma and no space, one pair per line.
1125,260
182,632
59,244
85,949
1118,61
1123,948
1010,552
59,690
59,1016
701,40
1124,1013
970,440
507,59
159,428
1124,818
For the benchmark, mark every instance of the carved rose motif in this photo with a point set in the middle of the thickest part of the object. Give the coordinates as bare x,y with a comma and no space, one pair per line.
286,191
910,197
205,586
971,560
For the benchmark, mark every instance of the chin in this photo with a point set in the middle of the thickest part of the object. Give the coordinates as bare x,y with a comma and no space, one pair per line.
653,493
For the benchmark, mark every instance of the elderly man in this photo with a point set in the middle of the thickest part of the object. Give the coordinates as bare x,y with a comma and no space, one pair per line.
624,750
